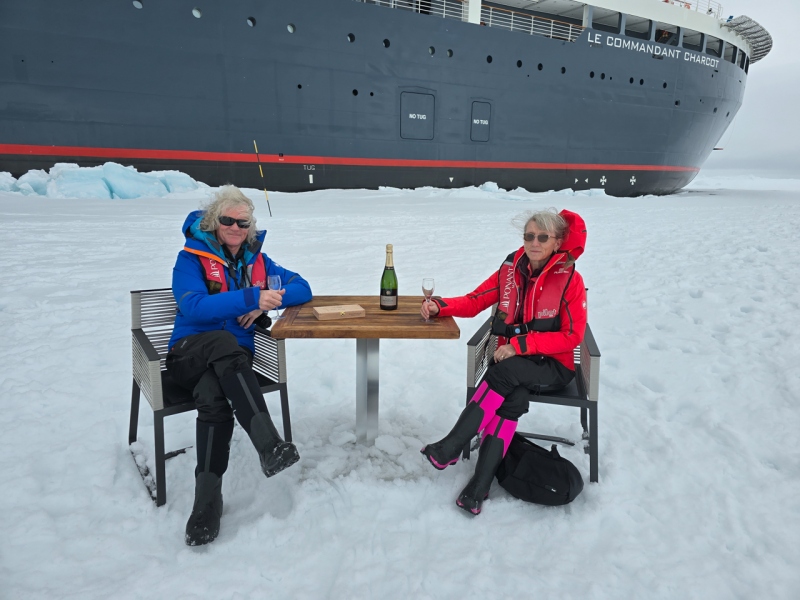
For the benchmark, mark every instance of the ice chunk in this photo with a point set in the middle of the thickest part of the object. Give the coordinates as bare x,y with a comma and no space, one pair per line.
176,181
33,182
127,182
68,180
7,182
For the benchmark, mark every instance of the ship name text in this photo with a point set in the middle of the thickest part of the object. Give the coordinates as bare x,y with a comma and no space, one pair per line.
654,49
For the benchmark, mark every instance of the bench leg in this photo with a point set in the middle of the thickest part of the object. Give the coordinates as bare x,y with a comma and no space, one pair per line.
465,453
593,449
161,472
134,426
585,435
287,421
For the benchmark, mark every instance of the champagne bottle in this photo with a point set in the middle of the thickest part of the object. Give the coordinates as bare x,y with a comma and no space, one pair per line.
389,283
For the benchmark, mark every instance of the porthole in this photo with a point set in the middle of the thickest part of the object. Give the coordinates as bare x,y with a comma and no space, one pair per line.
665,85
290,28
299,86
715,109
602,75
641,82
540,67
591,74
197,13
431,50
372,93
563,70
137,4
519,64
489,58
449,54
386,43
355,92
677,102
728,114
351,38
251,21
631,79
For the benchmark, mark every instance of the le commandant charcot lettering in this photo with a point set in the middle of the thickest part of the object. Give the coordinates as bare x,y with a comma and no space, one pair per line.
654,49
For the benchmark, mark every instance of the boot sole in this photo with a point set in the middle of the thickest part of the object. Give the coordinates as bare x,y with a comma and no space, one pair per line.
436,465
472,511
286,459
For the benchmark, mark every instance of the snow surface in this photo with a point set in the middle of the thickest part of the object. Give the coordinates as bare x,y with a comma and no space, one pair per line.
694,302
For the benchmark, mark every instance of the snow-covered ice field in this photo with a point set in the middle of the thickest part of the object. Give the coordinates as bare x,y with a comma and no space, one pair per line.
694,300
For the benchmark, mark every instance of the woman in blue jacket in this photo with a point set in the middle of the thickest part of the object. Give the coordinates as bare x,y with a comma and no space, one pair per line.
219,283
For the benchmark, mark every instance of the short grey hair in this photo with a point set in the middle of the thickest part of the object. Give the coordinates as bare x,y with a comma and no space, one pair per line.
549,220
227,197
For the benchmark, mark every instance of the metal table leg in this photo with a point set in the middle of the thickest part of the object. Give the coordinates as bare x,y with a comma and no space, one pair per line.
367,354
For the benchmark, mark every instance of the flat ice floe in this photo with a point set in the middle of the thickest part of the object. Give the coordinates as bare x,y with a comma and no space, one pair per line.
694,300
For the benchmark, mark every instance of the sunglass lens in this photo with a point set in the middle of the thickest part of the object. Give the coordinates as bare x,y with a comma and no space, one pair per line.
228,221
542,237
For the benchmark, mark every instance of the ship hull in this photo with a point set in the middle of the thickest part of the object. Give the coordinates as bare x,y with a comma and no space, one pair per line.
159,89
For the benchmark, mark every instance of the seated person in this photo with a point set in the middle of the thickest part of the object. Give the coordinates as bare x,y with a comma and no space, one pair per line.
540,320
219,283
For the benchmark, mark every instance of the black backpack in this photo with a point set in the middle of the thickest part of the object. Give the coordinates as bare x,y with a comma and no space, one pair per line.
533,474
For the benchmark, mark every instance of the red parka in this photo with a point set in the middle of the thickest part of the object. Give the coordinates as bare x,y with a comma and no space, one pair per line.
567,326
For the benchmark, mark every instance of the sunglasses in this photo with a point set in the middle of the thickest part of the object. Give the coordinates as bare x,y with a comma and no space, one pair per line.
228,221
542,237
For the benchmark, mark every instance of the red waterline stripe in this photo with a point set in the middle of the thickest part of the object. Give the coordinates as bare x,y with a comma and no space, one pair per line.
121,153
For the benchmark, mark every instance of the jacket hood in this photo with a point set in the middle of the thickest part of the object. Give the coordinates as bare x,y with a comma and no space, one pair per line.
198,239
575,240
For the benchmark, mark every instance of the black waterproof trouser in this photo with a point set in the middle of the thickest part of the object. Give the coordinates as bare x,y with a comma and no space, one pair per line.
199,361
516,377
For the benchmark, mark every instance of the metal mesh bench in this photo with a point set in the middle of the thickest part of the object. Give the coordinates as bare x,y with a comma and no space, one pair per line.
582,391
152,319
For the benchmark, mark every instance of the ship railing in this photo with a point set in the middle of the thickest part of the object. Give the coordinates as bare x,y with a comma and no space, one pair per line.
447,9
490,17
708,7
533,25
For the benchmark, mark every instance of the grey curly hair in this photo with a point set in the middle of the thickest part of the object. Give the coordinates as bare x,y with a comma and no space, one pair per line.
228,196
548,219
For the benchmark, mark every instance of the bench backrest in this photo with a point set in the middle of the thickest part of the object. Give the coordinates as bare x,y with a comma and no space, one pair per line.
153,312
587,359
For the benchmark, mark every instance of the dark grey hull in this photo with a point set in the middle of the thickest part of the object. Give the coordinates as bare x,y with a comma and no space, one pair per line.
92,81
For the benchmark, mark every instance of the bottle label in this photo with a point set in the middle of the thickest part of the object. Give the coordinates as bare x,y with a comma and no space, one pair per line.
389,301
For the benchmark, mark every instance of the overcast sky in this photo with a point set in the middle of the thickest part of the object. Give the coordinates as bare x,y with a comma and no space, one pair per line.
764,135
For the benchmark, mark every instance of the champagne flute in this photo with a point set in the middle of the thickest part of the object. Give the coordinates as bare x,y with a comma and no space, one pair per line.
427,290
274,283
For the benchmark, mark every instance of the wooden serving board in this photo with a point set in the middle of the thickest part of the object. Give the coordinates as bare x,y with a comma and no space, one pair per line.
338,311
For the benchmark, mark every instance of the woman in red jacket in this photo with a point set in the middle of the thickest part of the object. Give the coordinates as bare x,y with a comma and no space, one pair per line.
540,320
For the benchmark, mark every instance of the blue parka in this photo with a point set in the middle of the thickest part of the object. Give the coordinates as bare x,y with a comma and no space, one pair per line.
199,311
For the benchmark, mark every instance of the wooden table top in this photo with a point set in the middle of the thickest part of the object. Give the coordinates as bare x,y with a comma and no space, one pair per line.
403,323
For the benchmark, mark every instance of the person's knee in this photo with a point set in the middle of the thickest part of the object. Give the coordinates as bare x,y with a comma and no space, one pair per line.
213,410
500,378
227,356
515,404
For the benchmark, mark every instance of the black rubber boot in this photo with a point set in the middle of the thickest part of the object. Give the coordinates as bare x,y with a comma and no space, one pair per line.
275,454
213,448
244,393
477,490
203,524
446,451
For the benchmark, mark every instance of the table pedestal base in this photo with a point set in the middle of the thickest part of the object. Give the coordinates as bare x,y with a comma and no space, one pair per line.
367,354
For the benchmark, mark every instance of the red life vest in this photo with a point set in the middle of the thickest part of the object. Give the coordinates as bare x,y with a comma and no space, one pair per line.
541,306
214,270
